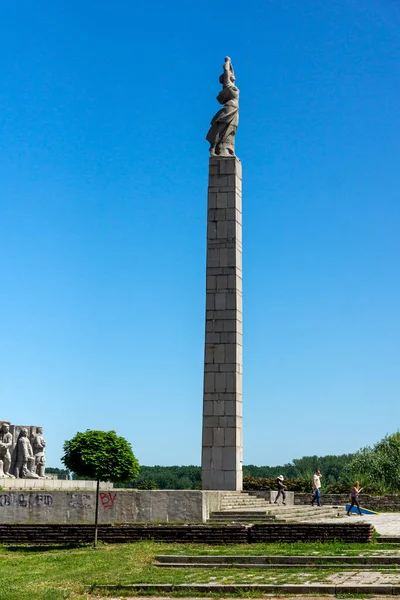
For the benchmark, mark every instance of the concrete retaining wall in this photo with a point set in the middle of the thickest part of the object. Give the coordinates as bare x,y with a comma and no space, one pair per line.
228,534
358,533
52,484
390,502
116,506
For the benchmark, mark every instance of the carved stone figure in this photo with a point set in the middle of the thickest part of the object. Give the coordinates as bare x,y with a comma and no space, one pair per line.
25,467
38,446
221,134
5,445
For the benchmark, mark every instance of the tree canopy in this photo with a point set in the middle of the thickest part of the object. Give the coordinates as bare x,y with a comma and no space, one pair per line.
100,455
188,477
378,468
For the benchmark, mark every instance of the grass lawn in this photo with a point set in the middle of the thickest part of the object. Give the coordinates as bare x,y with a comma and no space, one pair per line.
63,572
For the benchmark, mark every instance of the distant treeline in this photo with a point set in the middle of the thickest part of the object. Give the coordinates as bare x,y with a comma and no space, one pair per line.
376,467
189,477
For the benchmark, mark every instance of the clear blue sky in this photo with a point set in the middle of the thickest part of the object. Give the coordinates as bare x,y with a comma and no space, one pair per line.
103,174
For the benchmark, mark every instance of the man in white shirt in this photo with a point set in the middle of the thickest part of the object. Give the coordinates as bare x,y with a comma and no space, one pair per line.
316,488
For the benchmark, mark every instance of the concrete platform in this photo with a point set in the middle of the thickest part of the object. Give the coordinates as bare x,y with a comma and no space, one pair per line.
52,484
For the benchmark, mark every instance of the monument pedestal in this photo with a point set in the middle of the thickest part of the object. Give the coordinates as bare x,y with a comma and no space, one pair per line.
222,446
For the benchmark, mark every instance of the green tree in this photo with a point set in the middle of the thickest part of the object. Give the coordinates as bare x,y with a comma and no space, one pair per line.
147,484
379,466
64,473
103,456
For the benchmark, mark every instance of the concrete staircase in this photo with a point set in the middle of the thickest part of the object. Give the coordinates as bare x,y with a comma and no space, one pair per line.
241,516
242,500
241,507
297,514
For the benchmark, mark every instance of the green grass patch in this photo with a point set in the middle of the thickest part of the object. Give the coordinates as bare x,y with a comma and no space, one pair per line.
67,572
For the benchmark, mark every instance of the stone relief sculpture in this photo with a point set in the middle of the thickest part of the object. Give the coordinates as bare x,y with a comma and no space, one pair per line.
22,451
221,134
6,440
38,446
25,467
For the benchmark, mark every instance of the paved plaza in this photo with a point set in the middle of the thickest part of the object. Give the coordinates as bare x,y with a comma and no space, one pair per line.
364,578
384,523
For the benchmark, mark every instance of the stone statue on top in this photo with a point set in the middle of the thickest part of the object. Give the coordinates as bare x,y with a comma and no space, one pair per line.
38,444
221,134
25,466
5,445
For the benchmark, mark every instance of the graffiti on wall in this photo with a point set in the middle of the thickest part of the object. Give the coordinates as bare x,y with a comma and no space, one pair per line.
80,500
75,500
5,500
24,500
107,500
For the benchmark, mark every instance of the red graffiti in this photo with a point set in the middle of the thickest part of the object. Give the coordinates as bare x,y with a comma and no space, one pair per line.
108,500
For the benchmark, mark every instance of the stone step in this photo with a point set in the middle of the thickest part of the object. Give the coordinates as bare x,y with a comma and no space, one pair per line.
244,519
243,506
243,499
274,566
241,516
305,511
292,510
287,514
308,518
245,502
250,501
238,495
244,510
251,507
358,562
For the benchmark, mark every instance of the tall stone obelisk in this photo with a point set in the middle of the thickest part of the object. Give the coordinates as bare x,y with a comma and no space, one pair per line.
222,446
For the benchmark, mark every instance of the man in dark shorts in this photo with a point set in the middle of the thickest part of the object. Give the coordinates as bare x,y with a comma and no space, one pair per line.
281,490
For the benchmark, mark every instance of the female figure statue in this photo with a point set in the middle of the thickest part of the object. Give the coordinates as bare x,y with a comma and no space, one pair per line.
221,134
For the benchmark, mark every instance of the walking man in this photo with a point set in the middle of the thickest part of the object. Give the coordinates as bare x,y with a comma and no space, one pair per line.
316,488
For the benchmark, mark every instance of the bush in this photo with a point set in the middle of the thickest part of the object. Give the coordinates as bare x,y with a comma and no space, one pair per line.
337,488
269,483
377,468
147,484
344,488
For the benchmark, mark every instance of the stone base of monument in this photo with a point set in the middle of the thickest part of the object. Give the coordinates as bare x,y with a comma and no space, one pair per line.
52,484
